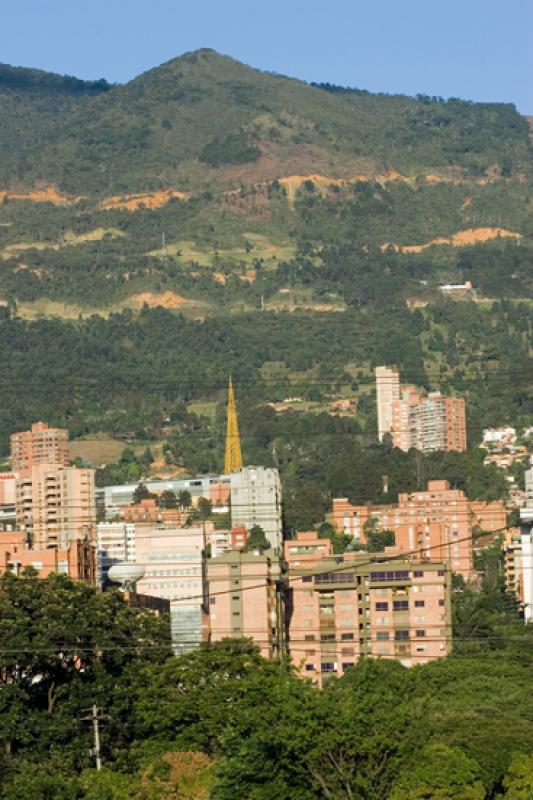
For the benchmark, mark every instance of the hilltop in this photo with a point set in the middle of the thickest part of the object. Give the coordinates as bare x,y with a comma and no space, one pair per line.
205,184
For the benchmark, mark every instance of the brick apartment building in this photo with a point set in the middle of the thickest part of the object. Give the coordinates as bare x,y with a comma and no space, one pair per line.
435,525
40,445
340,608
246,599
428,423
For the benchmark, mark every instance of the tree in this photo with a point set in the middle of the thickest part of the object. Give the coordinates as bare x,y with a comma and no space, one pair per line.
142,493
377,541
518,782
441,772
184,498
167,499
257,540
204,508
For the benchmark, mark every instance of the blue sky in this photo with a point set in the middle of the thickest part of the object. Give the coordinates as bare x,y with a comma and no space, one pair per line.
475,49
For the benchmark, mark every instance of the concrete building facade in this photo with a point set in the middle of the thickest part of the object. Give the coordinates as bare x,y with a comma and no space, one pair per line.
387,393
174,561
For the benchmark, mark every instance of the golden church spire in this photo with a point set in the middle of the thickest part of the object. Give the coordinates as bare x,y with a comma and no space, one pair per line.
233,459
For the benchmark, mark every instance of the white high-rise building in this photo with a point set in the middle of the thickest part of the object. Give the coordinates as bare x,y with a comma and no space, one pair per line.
387,393
256,500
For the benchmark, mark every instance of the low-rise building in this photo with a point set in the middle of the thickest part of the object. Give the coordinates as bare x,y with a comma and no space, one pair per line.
77,560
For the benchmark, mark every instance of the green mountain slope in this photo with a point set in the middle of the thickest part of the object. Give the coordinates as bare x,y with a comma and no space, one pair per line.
205,119
205,184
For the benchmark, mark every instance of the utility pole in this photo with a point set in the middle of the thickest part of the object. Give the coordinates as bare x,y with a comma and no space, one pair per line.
95,719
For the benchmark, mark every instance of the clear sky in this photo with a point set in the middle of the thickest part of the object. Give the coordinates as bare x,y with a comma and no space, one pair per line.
475,49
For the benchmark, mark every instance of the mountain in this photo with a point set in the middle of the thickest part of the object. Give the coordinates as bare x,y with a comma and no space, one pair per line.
303,233
205,119
205,184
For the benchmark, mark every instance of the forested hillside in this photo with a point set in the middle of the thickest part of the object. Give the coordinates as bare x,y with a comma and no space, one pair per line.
296,234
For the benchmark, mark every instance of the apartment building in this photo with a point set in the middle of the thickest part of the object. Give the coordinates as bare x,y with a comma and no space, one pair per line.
340,608
256,500
436,524
429,423
55,505
387,393
246,599
78,560
40,445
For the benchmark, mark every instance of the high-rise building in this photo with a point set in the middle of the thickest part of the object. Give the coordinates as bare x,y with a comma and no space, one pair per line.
387,393
256,500
40,445
55,505
340,608
428,423
436,524
442,423
246,599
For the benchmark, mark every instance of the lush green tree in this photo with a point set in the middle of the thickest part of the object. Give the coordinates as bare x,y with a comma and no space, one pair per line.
167,499
441,772
518,781
257,540
184,498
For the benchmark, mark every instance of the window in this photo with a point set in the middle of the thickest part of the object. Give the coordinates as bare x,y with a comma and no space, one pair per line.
418,574
442,602
401,605
420,603
327,637
440,573
309,667
212,601
382,606
309,637
382,636
401,635
236,613
382,621
420,634
420,648
348,665
399,575
347,651
346,637
327,666
307,579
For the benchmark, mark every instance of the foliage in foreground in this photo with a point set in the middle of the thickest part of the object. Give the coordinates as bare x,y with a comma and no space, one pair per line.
223,722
